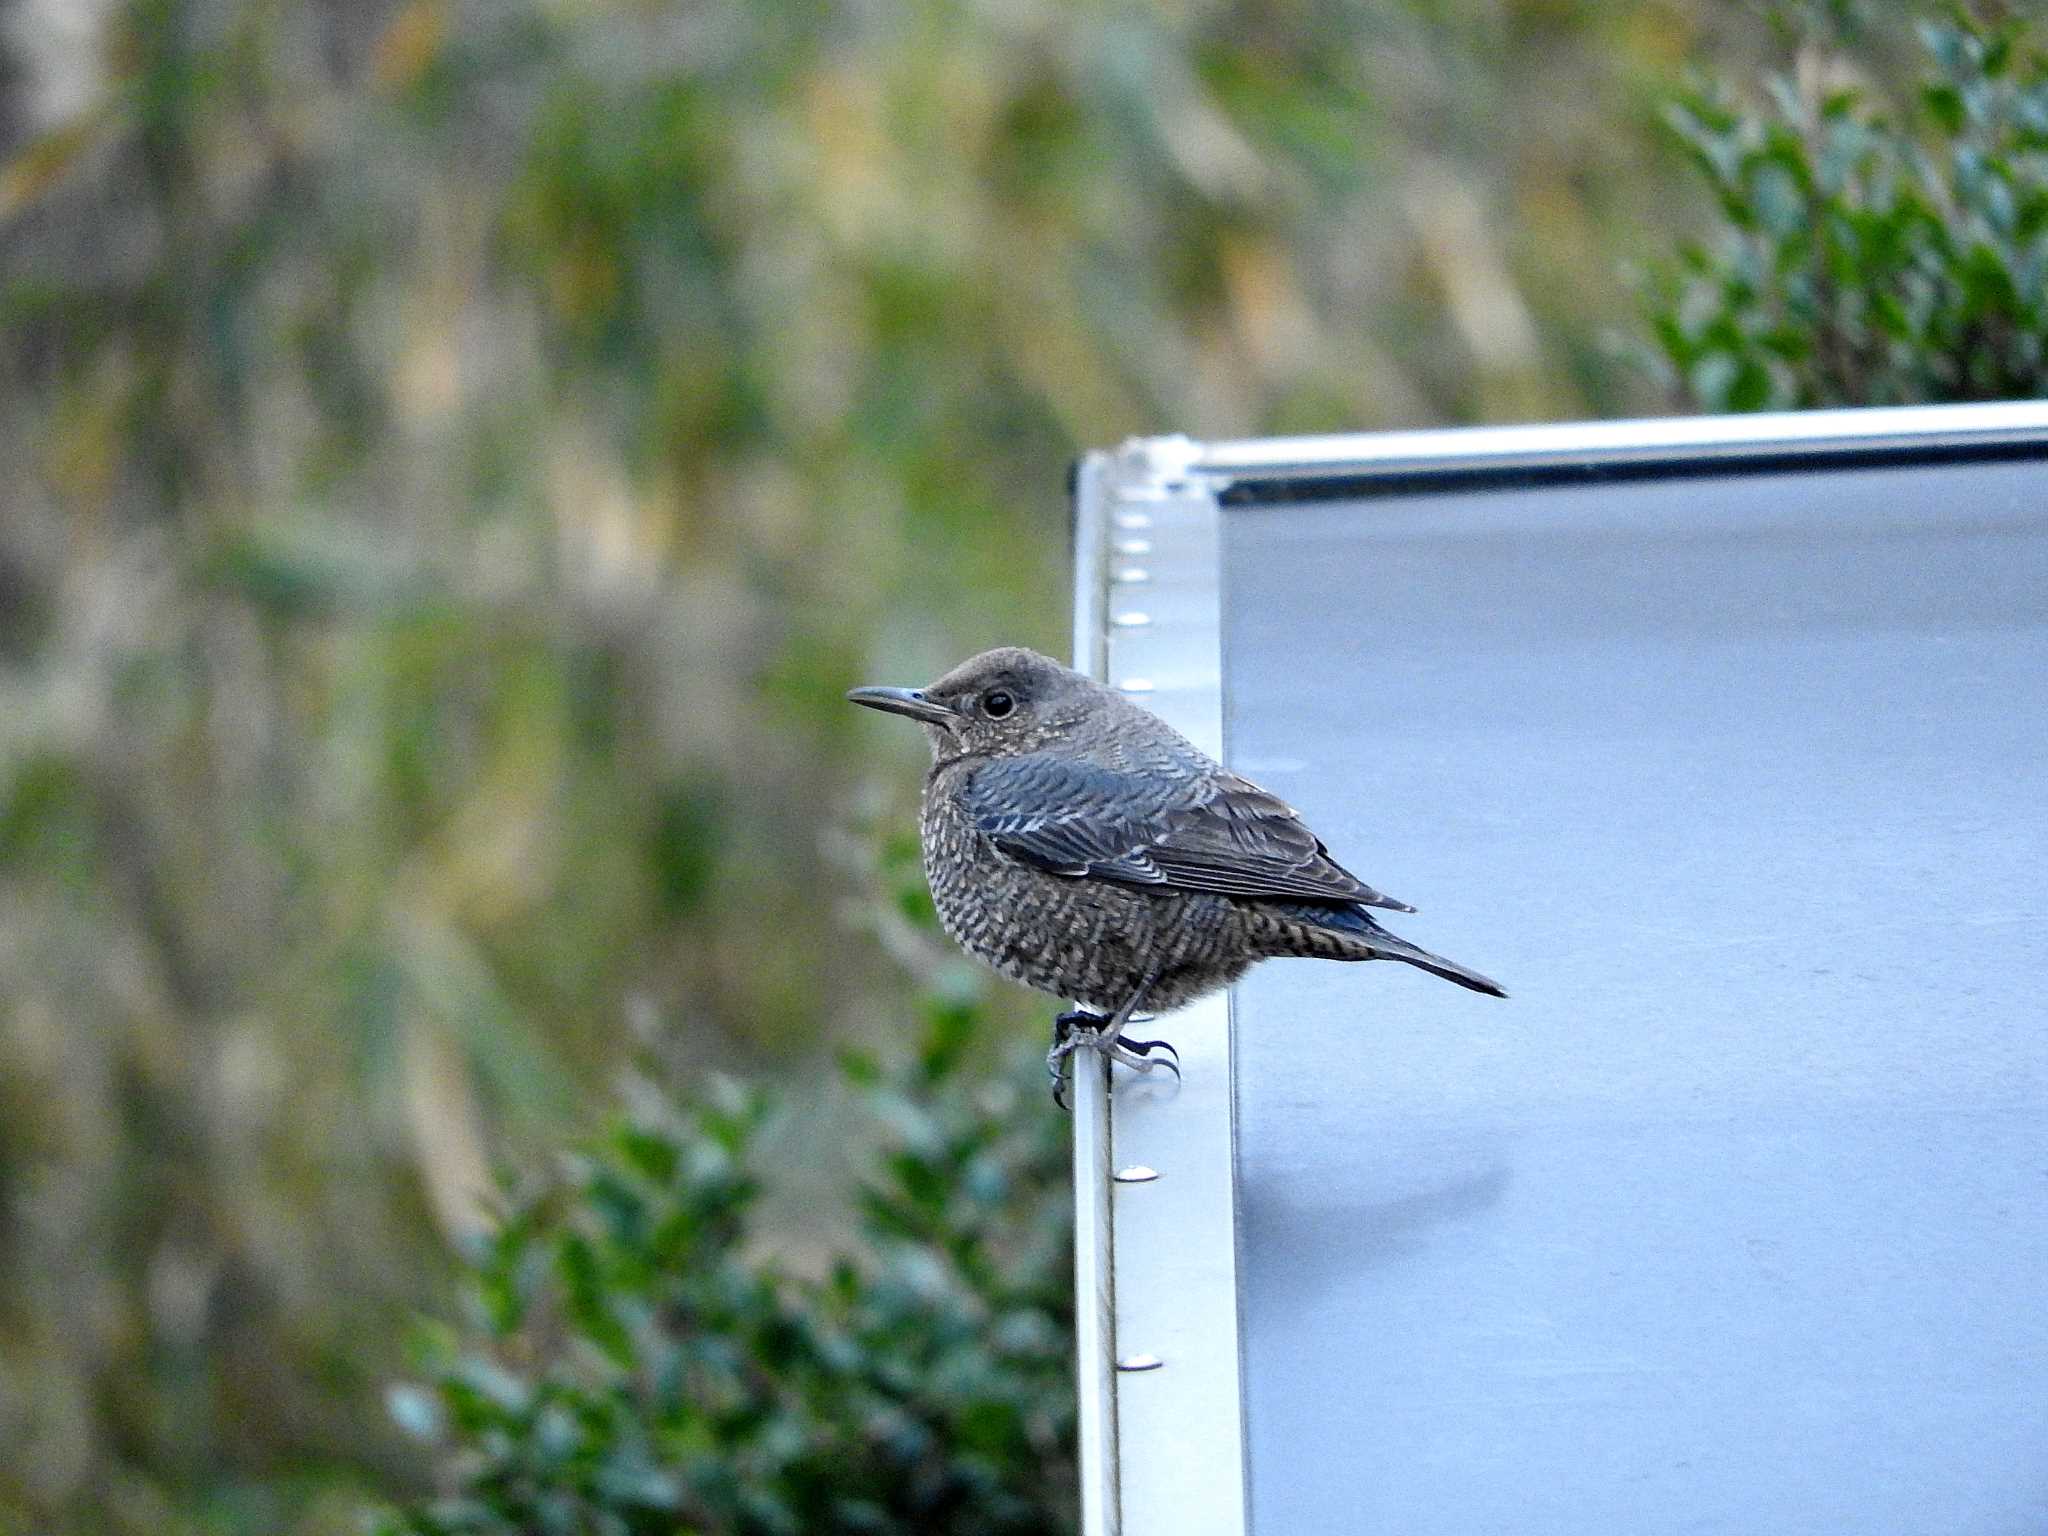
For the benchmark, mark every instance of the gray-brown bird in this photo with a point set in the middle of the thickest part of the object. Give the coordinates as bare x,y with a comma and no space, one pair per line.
1079,844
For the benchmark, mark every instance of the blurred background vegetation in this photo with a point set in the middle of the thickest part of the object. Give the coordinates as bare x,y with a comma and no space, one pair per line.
459,450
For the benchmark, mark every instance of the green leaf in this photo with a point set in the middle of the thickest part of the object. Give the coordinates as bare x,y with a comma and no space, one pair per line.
589,1307
1998,54
1750,388
1944,104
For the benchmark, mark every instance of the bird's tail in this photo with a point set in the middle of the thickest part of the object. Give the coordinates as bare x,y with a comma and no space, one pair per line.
1386,946
1352,933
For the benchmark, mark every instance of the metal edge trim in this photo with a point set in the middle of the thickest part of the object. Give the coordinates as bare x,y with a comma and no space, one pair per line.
1230,1003
1179,1371
1615,443
1094,1270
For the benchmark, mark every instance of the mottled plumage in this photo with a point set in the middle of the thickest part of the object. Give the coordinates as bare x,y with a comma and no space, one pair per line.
1079,844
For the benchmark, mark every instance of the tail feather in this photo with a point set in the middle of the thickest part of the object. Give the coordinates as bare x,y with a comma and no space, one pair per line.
1360,937
1385,946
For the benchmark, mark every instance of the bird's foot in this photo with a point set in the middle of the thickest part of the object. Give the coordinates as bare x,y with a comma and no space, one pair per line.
1081,1029
1070,1031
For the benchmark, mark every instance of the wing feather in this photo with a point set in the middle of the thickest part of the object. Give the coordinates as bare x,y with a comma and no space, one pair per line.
1212,832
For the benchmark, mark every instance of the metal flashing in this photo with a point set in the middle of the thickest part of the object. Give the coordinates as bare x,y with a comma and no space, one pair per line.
1163,1421
1094,1316
1612,444
1155,1217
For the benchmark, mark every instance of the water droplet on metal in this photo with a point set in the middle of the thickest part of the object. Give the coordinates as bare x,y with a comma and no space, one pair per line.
1137,1173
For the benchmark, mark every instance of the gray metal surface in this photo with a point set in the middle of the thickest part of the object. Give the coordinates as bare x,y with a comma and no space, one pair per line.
1180,1429
1735,1217
1088,1093
1154,1208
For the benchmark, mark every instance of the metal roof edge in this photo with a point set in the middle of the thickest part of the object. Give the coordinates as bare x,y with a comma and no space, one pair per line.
1094,1301
1155,1208
1611,443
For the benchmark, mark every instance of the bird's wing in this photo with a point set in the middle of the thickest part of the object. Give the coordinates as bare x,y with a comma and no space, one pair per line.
1211,832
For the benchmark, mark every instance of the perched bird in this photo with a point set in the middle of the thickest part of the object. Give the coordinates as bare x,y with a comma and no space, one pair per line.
1079,844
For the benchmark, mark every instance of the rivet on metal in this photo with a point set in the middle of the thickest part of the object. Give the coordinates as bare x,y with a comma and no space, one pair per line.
1131,620
1140,1363
1137,1173
1134,546
1136,685
1133,575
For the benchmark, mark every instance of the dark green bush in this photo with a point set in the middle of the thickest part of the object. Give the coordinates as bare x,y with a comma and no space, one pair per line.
635,1363
1874,254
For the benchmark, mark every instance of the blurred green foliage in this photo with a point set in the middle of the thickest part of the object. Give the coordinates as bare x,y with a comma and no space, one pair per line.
1873,253
633,1365
459,452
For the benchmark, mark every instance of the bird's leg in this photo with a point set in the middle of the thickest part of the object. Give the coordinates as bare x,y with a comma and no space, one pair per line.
1136,1054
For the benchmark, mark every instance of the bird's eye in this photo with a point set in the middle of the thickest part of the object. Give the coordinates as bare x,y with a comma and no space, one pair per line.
996,703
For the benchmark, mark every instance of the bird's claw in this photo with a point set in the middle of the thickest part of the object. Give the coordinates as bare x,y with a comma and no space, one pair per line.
1137,1054
1070,1031
1146,1047
1081,1029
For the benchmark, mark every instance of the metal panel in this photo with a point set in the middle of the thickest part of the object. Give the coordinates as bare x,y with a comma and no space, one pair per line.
1164,1171
1094,1318
1735,1217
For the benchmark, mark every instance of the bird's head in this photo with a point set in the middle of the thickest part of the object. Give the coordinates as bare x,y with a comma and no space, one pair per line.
1005,700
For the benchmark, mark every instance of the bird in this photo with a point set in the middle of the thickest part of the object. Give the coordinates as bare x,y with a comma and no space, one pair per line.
1077,843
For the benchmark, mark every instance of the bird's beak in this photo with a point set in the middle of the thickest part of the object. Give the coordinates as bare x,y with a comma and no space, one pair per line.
904,701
